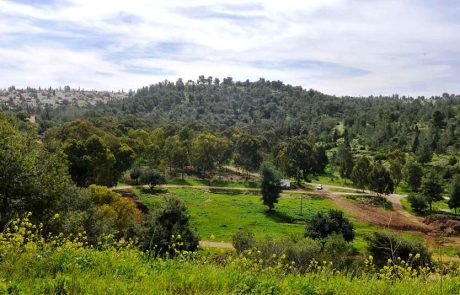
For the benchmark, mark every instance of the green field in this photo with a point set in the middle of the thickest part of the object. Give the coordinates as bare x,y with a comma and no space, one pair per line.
206,182
217,215
220,214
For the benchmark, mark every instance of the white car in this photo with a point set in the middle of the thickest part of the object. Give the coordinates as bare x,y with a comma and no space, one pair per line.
319,187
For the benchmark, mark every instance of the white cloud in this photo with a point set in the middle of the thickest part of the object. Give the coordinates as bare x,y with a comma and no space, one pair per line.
404,46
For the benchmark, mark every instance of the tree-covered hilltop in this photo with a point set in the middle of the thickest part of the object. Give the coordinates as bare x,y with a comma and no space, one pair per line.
275,110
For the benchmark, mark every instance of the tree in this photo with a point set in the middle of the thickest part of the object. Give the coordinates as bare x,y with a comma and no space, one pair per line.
168,230
320,158
397,161
431,189
32,178
454,200
135,174
396,171
247,151
176,152
413,173
124,158
323,225
416,140
360,173
91,162
270,185
296,158
424,153
207,150
345,160
380,180
438,120
418,202
152,178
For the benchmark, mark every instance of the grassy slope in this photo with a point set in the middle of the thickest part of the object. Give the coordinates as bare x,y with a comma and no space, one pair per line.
88,271
219,215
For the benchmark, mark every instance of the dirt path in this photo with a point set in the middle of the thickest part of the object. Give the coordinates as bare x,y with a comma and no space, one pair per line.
220,245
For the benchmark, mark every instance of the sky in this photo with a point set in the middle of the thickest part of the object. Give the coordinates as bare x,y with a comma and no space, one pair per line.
341,47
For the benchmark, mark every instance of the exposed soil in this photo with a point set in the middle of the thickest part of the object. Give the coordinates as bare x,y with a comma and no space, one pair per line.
221,245
393,219
449,225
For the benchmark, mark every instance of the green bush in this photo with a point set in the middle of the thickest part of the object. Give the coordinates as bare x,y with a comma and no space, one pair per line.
168,230
384,246
418,203
152,178
323,225
302,252
243,240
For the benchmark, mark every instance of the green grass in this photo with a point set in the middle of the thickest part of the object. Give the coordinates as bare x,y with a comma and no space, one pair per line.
344,190
221,214
332,180
206,182
403,188
90,271
406,205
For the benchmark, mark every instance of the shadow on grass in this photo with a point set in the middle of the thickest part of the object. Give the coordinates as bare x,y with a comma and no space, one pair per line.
279,217
155,191
178,181
226,192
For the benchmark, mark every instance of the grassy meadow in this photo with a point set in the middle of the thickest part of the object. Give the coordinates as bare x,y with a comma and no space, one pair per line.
129,271
218,214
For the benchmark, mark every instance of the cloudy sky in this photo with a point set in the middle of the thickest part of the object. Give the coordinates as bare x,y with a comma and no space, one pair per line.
343,47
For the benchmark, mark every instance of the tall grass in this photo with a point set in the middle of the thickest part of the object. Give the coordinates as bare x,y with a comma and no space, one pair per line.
32,264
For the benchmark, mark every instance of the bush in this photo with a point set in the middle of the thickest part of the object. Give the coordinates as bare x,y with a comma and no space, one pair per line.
243,240
383,246
152,178
338,251
302,252
270,246
135,174
323,225
168,230
418,203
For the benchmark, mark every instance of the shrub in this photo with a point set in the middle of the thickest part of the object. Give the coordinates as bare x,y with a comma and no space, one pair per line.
302,252
383,246
338,251
152,178
113,214
323,225
135,174
168,230
418,203
243,240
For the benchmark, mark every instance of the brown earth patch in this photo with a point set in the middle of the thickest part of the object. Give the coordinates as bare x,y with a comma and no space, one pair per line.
378,216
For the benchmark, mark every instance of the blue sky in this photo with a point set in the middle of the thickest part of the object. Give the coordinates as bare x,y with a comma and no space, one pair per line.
342,47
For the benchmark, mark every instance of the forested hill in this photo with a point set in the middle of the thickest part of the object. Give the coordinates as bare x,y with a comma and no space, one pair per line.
272,108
